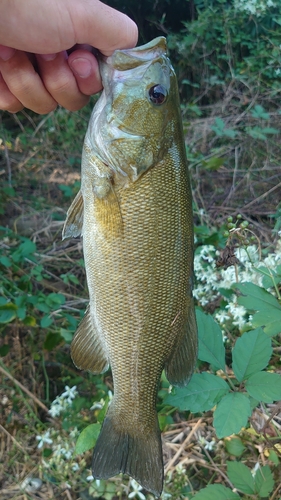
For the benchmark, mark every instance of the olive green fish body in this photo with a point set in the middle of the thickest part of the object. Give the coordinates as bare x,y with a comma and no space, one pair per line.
135,214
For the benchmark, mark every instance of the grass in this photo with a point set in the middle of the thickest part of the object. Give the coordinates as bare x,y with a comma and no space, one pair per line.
43,283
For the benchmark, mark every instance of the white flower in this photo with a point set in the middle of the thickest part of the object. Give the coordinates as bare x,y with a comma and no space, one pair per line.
222,316
180,469
45,438
98,405
55,409
74,433
238,312
210,445
255,469
90,478
67,454
136,493
75,467
69,393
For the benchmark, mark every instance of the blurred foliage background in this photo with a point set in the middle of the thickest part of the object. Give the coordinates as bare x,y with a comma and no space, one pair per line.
227,55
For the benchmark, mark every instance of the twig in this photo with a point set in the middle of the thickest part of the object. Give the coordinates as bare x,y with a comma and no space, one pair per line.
67,492
181,448
262,196
218,470
12,438
275,492
16,382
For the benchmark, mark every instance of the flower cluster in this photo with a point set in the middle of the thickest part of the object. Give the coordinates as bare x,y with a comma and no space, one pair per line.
254,7
211,282
64,401
61,447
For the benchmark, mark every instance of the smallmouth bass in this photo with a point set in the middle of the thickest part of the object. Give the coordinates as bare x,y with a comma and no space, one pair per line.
134,211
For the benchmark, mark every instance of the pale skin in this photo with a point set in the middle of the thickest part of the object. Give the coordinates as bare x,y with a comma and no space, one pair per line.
36,69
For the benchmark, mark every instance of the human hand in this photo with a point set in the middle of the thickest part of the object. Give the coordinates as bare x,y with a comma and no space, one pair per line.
36,69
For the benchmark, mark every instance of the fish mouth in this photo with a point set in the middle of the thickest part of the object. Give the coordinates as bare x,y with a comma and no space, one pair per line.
123,59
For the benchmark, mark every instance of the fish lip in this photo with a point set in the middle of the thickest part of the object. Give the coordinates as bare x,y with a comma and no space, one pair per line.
128,59
143,53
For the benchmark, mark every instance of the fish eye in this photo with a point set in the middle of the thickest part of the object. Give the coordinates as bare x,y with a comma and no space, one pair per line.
157,94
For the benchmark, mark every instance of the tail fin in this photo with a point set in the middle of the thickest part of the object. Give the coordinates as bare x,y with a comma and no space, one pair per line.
139,456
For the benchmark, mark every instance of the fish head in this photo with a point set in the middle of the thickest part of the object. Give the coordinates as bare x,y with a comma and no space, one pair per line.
132,126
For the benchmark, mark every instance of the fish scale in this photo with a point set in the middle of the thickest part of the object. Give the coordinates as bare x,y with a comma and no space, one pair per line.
134,212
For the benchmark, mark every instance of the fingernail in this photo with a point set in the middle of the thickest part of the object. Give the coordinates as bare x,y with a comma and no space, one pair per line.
6,52
81,66
48,57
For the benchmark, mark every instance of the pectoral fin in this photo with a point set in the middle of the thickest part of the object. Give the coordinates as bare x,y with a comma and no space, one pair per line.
181,364
87,349
74,219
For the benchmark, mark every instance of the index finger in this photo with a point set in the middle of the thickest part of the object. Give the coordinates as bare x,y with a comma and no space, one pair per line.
111,30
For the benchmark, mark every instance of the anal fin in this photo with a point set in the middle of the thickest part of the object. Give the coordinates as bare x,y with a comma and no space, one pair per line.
180,366
87,349
74,219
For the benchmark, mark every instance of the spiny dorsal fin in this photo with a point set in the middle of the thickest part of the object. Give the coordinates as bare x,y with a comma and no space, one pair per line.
87,349
74,219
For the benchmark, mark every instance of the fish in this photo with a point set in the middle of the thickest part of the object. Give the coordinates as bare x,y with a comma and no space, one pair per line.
134,212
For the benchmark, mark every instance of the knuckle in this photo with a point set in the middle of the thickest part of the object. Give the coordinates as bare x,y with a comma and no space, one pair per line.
11,104
58,87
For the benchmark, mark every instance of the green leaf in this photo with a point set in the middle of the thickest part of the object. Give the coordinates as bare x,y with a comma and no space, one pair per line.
211,348
5,261
67,335
46,321
202,393
264,482
21,313
259,112
264,386
7,312
29,321
251,353
234,446
87,438
55,298
273,457
270,277
241,477
51,341
261,133
216,492
231,414
221,130
4,349
255,298
41,306
27,247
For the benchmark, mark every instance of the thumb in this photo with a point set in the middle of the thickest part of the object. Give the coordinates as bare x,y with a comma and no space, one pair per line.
103,27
